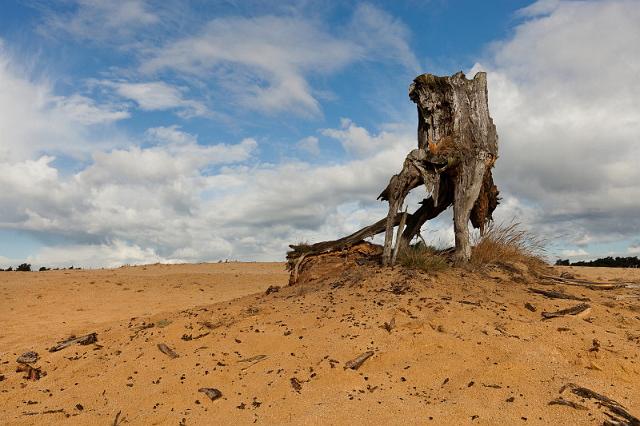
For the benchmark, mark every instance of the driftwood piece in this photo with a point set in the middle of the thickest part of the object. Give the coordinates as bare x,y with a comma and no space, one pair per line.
212,393
620,414
560,401
574,310
355,363
87,339
340,244
557,295
167,351
252,361
592,285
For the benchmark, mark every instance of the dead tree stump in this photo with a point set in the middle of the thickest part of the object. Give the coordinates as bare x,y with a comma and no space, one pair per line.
457,148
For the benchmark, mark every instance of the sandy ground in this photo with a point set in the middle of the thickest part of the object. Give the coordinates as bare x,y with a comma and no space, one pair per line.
463,348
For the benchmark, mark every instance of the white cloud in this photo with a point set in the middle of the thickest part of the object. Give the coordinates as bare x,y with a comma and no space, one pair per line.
634,249
382,36
110,255
268,56
265,63
85,111
310,144
158,96
574,253
358,141
103,21
166,202
562,97
170,135
33,119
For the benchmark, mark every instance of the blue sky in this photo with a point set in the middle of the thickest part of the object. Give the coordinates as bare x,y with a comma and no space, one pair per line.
138,131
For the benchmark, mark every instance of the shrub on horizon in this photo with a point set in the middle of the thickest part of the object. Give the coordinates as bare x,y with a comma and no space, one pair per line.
25,267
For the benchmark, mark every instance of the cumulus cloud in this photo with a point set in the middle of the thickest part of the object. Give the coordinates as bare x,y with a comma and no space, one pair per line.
562,97
165,202
109,254
358,141
33,119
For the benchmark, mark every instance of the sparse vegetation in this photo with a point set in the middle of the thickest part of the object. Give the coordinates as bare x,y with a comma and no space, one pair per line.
507,244
25,267
425,258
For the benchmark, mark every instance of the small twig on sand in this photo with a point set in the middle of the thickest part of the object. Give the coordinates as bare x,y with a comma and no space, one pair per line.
87,339
575,310
560,401
116,421
167,350
355,363
557,295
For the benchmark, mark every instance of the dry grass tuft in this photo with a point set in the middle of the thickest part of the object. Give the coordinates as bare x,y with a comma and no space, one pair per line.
508,244
425,258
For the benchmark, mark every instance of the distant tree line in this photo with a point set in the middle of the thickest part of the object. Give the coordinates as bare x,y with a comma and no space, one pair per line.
609,262
26,267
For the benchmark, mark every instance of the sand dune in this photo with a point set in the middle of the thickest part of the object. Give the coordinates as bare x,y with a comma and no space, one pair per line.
456,347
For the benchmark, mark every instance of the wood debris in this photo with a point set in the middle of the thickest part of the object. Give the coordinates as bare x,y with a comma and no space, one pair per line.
167,351
272,289
117,420
574,310
355,363
618,413
87,339
560,401
212,393
389,325
557,295
253,360
295,384
32,373
592,285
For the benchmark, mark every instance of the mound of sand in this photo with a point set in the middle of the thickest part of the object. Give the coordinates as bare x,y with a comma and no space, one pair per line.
350,343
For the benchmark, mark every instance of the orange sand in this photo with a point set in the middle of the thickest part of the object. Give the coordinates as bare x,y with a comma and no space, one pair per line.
464,349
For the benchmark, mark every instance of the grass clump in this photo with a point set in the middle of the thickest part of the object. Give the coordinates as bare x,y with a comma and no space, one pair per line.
422,257
508,244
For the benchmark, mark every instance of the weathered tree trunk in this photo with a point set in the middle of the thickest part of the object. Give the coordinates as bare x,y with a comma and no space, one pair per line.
457,147
461,136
